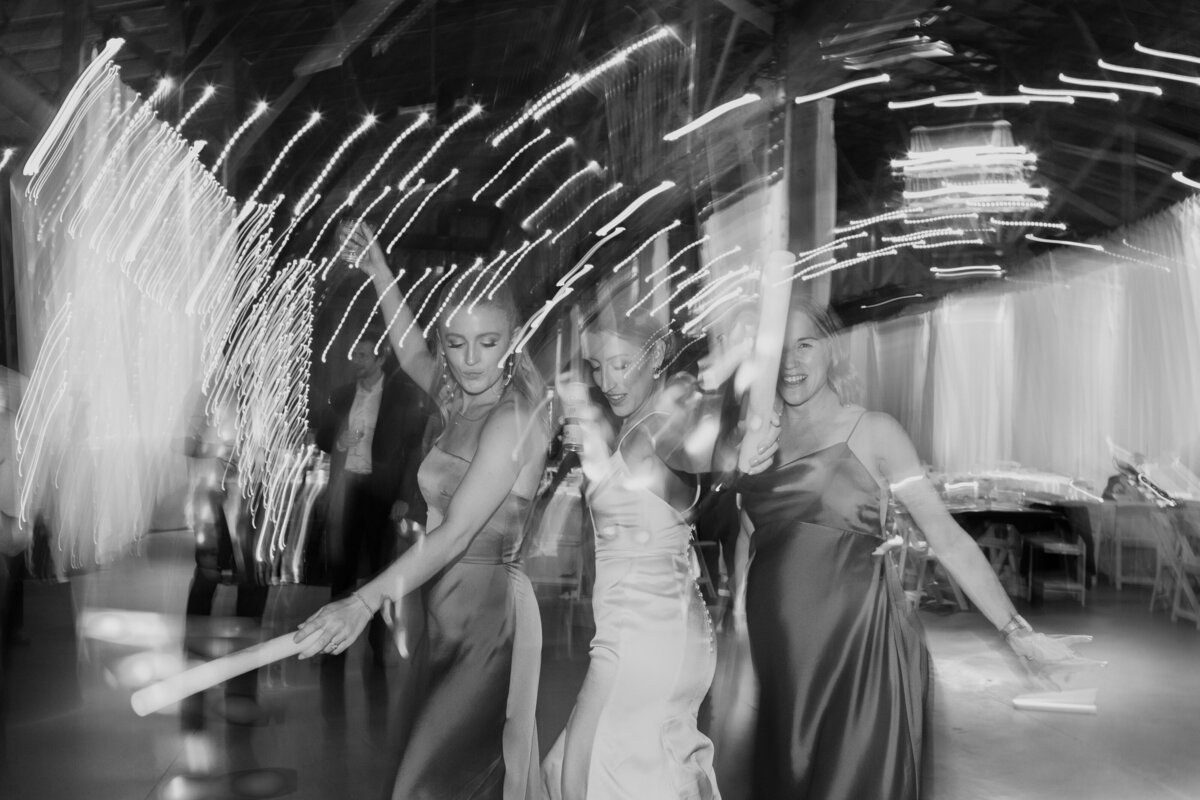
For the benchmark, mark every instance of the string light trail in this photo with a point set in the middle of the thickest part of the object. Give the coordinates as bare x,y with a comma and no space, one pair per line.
655,288
396,315
715,284
1179,176
421,119
592,168
512,159
345,315
649,241
491,269
416,187
1010,99
591,251
673,258
695,321
891,300
1026,223
499,271
634,206
709,116
95,72
7,156
516,262
433,322
1149,73
896,105
474,112
1080,94
616,59
886,217
260,108
568,142
420,206
1035,238
481,272
808,98
1150,51
938,245
616,187
432,294
524,117
1124,87
969,271
313,119
839,265
205,96
302,205
375,309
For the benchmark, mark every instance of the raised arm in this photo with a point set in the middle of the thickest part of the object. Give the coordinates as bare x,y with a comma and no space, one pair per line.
501,459
412,354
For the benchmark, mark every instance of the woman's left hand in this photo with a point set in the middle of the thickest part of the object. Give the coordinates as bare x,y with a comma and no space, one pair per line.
768,447
1051,657
334,627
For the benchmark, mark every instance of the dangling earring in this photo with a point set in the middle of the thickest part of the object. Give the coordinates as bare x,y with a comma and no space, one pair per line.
509,368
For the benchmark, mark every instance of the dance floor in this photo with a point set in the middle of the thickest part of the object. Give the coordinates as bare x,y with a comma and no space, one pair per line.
322,733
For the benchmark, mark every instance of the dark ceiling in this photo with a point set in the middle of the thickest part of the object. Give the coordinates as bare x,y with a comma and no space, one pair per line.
1105,164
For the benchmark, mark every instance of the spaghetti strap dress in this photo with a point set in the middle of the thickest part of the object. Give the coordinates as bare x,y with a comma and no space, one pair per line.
475,735
841,661
652,658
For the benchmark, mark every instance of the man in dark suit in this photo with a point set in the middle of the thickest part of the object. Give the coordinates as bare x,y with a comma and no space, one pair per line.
372,428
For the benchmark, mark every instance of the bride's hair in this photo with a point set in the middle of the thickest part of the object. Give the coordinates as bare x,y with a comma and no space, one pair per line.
840,373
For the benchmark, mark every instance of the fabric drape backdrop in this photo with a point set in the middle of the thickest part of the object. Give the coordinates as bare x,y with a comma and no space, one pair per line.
1043,369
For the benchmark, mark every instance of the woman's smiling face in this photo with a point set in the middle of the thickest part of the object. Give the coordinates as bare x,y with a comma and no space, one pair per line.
804,367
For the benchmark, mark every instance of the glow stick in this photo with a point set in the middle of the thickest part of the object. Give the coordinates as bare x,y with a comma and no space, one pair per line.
159,695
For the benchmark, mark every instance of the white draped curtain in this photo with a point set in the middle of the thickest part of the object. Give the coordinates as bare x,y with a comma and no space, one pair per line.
1042,370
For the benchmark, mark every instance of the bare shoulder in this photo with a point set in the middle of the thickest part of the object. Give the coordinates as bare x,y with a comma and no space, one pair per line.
882,427
512,422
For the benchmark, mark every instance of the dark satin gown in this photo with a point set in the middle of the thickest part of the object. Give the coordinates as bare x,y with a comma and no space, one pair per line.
841,660
475,735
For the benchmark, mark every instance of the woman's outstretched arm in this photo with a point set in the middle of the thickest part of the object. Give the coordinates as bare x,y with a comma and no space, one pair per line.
405,336
498,462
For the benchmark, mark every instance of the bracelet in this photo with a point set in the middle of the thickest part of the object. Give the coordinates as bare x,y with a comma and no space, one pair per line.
364,602
1015,623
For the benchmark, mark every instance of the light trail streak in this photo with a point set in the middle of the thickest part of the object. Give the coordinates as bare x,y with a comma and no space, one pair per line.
260,108
616,187
592,168
1149,73
891,300
716,113
512,159
634,206
649,241
1120,86
673,258
392,322
516,262
1150,51
474,112
421,119
808,98
568,142
313,119
205,96
1112,97
420,206
1035,238
303,205
432,293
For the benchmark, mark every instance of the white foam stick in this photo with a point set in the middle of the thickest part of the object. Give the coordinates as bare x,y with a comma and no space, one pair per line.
1074,701
158,696
768,349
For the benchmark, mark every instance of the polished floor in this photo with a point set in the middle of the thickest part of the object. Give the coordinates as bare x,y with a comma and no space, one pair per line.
323,732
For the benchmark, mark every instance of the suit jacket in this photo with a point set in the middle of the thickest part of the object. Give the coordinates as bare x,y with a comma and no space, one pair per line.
396,452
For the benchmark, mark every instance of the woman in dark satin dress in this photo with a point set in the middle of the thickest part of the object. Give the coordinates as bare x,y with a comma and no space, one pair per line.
841,661
474,735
